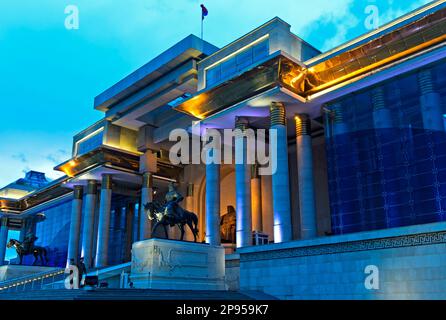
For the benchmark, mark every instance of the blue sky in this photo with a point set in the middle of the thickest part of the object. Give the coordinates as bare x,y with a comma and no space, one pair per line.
49,75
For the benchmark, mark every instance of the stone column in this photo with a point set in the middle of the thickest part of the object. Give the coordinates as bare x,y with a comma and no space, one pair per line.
129,219
145,225
190,197
190,207
148,165
3,239
242,186
305,176
213,236
382,117
430,102
280,179
89,217
104,222
256,200
267,206
75,225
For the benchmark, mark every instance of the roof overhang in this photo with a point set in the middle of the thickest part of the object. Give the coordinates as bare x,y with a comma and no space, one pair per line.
189,48
420,40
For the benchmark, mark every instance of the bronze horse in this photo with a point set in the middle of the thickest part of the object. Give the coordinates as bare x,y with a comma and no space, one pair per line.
164,217
38,252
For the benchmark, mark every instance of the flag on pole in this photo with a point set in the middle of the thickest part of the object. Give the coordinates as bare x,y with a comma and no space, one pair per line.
204,12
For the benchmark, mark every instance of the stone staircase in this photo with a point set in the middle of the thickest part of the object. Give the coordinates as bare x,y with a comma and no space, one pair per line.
132,294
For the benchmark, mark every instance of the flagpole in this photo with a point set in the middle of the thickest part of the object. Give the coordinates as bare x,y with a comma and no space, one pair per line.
204,13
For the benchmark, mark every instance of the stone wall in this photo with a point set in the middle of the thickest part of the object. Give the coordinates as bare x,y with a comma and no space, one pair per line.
232,272
411,262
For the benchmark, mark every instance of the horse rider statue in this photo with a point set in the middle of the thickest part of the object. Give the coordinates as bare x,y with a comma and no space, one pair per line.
173,198
171,214
28,242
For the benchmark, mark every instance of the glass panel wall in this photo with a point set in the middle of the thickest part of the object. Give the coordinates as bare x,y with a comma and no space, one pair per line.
386,164
237,63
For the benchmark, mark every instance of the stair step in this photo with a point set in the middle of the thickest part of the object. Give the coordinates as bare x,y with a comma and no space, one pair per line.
129,294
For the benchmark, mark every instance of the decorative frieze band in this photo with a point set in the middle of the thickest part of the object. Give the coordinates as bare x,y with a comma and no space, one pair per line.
352,246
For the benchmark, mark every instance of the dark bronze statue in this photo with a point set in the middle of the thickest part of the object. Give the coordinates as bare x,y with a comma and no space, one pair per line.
172,214
227,225
28,248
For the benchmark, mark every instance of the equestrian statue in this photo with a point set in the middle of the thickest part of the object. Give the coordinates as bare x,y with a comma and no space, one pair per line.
28,248
171,214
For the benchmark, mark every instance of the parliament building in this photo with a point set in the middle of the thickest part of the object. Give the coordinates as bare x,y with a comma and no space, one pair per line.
360,179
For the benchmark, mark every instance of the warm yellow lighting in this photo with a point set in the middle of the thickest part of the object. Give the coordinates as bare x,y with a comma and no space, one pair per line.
72,163
233,54
377,64
194,106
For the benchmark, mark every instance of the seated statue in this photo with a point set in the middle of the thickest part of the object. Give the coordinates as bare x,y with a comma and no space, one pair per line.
228,225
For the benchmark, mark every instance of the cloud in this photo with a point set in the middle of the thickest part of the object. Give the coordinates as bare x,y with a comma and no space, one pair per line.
57,157
32,151
343,25
20,157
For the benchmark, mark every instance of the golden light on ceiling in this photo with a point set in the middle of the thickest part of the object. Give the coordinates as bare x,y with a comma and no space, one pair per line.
193,106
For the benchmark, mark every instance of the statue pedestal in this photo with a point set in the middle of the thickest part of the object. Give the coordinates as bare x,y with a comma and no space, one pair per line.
176,265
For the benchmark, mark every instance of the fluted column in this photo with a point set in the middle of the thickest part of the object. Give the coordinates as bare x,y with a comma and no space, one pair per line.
305,176
75,225
145,225
88,228
242,187
430,102
339,125
3,239
382,117
104,222
213,236
280,179
256,200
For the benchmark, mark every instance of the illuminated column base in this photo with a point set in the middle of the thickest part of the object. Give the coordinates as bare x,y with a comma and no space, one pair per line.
242,190
305,176
3,239
104,222
280,180
213,236
75,225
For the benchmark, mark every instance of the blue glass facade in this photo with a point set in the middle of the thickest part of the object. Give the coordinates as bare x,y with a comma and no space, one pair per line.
53,232
118,233
237,63
90,143
386,168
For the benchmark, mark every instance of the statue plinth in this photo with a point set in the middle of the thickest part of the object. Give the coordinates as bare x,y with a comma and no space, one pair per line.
177,265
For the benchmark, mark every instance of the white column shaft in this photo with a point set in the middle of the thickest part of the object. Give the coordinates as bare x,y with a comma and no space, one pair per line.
103,228
243,194
213,236
306,187
281,189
